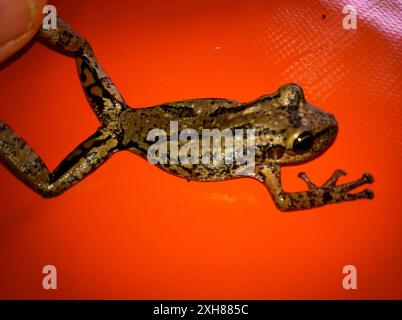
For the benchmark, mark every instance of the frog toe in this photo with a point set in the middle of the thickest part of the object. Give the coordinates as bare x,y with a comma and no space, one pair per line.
311,185
365,194
331,182
368,177
369,194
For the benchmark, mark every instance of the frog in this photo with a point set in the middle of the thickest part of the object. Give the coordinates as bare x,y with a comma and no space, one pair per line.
287,130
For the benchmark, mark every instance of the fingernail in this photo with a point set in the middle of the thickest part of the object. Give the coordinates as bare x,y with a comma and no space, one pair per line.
16,18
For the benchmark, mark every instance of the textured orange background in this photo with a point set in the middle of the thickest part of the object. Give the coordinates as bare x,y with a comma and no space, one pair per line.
133,231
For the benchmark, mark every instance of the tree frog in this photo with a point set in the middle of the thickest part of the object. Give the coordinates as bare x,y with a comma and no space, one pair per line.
288,131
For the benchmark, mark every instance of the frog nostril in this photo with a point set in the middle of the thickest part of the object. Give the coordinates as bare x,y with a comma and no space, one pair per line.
333,120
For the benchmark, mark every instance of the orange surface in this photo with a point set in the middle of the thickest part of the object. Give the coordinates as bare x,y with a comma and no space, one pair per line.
133,231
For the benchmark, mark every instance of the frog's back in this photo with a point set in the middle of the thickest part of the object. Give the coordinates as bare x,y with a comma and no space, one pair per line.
196,114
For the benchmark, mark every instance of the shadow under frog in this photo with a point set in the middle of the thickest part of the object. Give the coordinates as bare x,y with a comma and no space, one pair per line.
288,131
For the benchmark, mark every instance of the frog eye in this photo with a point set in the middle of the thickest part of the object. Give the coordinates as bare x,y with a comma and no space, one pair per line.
303,142
291,94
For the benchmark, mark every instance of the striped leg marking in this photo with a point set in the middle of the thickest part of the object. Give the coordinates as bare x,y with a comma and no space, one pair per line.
25,163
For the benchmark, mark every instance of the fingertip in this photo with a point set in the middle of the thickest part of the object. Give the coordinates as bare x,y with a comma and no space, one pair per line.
19,22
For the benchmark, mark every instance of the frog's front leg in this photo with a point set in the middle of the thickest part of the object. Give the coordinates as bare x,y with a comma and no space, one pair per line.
25,163
316,196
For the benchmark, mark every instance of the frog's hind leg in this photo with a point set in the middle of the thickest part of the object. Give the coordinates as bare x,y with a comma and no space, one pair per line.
25,163
102,94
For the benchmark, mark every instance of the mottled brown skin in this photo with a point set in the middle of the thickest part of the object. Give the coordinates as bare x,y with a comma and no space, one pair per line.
288,131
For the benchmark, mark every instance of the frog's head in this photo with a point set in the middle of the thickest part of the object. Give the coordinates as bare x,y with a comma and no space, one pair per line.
305,131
